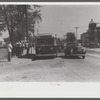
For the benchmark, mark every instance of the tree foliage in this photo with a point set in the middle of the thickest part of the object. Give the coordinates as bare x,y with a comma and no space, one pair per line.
70,37
18,20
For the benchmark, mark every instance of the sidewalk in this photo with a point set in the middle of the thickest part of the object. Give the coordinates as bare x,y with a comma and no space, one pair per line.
15,59
93,50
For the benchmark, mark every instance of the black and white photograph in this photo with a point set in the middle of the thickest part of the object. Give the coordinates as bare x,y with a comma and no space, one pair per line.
49,49
49,43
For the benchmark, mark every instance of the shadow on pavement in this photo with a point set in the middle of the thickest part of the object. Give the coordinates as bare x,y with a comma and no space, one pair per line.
33,57
42,58
75,57
29,56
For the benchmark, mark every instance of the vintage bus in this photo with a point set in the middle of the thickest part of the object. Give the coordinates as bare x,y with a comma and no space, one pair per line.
46,45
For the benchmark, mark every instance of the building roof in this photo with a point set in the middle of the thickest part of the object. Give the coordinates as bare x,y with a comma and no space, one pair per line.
46,34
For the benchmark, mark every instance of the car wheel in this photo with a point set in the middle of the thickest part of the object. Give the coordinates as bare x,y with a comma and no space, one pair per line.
83,57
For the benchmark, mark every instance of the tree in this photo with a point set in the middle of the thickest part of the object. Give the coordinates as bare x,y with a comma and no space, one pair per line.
70,37
34,16
13,19
12,16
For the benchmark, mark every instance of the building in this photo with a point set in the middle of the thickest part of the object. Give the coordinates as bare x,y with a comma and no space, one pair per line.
97,34
91,32
92,35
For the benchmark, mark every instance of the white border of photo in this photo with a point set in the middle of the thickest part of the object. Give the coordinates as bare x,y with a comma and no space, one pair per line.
50,89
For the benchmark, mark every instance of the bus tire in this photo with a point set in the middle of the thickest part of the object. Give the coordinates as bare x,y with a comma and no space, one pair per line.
34,58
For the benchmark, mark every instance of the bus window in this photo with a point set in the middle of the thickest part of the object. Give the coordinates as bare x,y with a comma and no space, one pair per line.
45,41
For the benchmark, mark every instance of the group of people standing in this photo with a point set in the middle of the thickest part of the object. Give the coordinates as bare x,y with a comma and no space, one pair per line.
16,49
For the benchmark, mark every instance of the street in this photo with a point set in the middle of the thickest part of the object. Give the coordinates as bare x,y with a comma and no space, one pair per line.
59,69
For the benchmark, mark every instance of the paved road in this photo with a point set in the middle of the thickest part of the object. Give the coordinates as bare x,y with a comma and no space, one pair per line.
59,69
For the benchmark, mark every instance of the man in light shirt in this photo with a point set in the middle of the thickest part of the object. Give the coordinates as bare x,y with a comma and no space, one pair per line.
9,49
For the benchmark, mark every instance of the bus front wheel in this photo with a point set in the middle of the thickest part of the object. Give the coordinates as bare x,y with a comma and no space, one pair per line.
34,58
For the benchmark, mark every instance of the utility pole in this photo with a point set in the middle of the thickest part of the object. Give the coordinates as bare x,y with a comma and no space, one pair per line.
76,32
26,7
26,22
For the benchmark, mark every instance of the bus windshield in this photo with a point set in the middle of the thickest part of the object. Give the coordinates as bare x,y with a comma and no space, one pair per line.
45,41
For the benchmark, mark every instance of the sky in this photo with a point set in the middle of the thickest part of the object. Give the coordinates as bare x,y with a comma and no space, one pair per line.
60,19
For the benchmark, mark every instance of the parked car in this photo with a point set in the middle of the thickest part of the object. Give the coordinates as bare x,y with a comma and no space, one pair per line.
73,49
